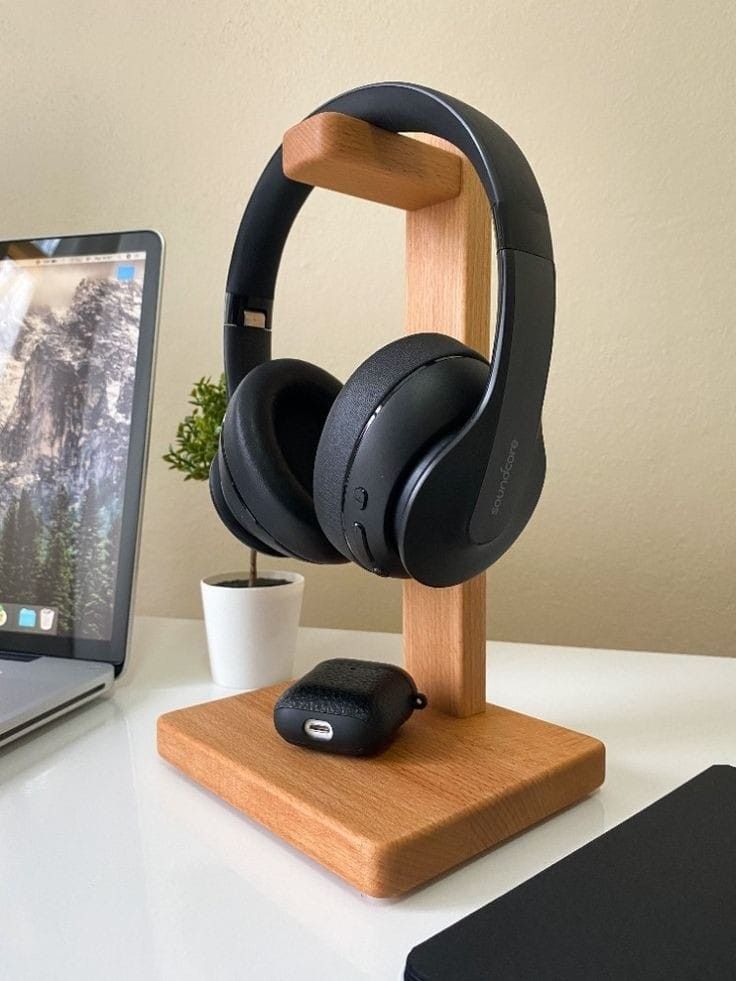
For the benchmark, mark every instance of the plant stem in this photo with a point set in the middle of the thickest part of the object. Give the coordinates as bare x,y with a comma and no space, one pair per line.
253,577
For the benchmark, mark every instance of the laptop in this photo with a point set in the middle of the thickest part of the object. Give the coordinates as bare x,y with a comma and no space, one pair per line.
77,342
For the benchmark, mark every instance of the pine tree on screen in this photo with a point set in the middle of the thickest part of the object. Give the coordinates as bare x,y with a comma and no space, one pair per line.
59,570
94,568
28,554
8,554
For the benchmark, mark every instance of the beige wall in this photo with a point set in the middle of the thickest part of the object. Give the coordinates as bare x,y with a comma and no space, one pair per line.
159,114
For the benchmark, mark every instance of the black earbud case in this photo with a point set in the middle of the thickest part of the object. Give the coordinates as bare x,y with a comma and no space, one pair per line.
346,706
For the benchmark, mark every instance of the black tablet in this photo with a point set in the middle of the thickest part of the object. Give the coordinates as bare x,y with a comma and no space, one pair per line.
654,899
77,340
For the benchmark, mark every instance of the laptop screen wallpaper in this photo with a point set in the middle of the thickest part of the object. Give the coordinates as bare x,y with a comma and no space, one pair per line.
68,341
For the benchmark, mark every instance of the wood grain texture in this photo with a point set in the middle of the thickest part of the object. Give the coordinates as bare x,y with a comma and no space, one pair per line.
445,644
448,284
345,154
447,790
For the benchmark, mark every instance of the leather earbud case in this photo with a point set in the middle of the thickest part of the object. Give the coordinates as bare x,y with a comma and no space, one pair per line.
346,706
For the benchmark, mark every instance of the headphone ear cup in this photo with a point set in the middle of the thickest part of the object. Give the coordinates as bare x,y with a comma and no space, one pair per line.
435,399
269,439
227,516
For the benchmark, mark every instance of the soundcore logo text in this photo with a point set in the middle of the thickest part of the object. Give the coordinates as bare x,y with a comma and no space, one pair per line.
505,476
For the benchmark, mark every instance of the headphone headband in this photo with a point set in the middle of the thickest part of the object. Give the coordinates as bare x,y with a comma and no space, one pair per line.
519,213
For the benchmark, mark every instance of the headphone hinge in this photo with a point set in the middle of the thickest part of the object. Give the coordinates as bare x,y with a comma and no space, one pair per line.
248,311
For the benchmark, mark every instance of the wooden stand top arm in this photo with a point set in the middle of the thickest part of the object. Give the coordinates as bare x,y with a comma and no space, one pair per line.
344,154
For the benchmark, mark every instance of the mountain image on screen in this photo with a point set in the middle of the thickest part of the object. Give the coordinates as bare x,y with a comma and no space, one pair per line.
66,393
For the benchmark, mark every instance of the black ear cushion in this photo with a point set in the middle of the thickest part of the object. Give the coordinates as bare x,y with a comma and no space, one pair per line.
269,440
359,398
228,517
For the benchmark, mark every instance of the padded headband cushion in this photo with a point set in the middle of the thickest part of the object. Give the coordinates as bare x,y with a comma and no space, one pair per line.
362,393
270,435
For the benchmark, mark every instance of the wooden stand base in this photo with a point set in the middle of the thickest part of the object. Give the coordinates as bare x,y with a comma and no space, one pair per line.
448,788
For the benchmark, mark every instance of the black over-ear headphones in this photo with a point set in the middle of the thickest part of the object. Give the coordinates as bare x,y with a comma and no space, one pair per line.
429,461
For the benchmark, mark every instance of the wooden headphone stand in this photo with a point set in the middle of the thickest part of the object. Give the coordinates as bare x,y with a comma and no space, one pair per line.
463,775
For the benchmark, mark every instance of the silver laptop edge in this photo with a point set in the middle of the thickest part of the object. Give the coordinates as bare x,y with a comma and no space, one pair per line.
58,684
146,448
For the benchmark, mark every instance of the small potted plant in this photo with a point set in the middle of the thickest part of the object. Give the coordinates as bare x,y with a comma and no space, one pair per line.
251,619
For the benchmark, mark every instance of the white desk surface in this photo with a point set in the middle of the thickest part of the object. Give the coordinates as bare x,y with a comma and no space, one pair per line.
113,865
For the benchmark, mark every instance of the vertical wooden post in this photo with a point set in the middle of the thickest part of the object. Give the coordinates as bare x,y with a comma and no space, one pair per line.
448,270
448,282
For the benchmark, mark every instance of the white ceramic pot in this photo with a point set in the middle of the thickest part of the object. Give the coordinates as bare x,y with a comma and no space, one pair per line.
251,631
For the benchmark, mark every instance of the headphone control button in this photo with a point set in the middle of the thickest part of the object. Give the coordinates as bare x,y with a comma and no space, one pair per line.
360,496
359,546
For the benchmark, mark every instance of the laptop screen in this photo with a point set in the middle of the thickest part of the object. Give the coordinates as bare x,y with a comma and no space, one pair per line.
70,331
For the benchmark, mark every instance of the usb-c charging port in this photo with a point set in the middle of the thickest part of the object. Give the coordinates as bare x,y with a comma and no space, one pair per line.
318,729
